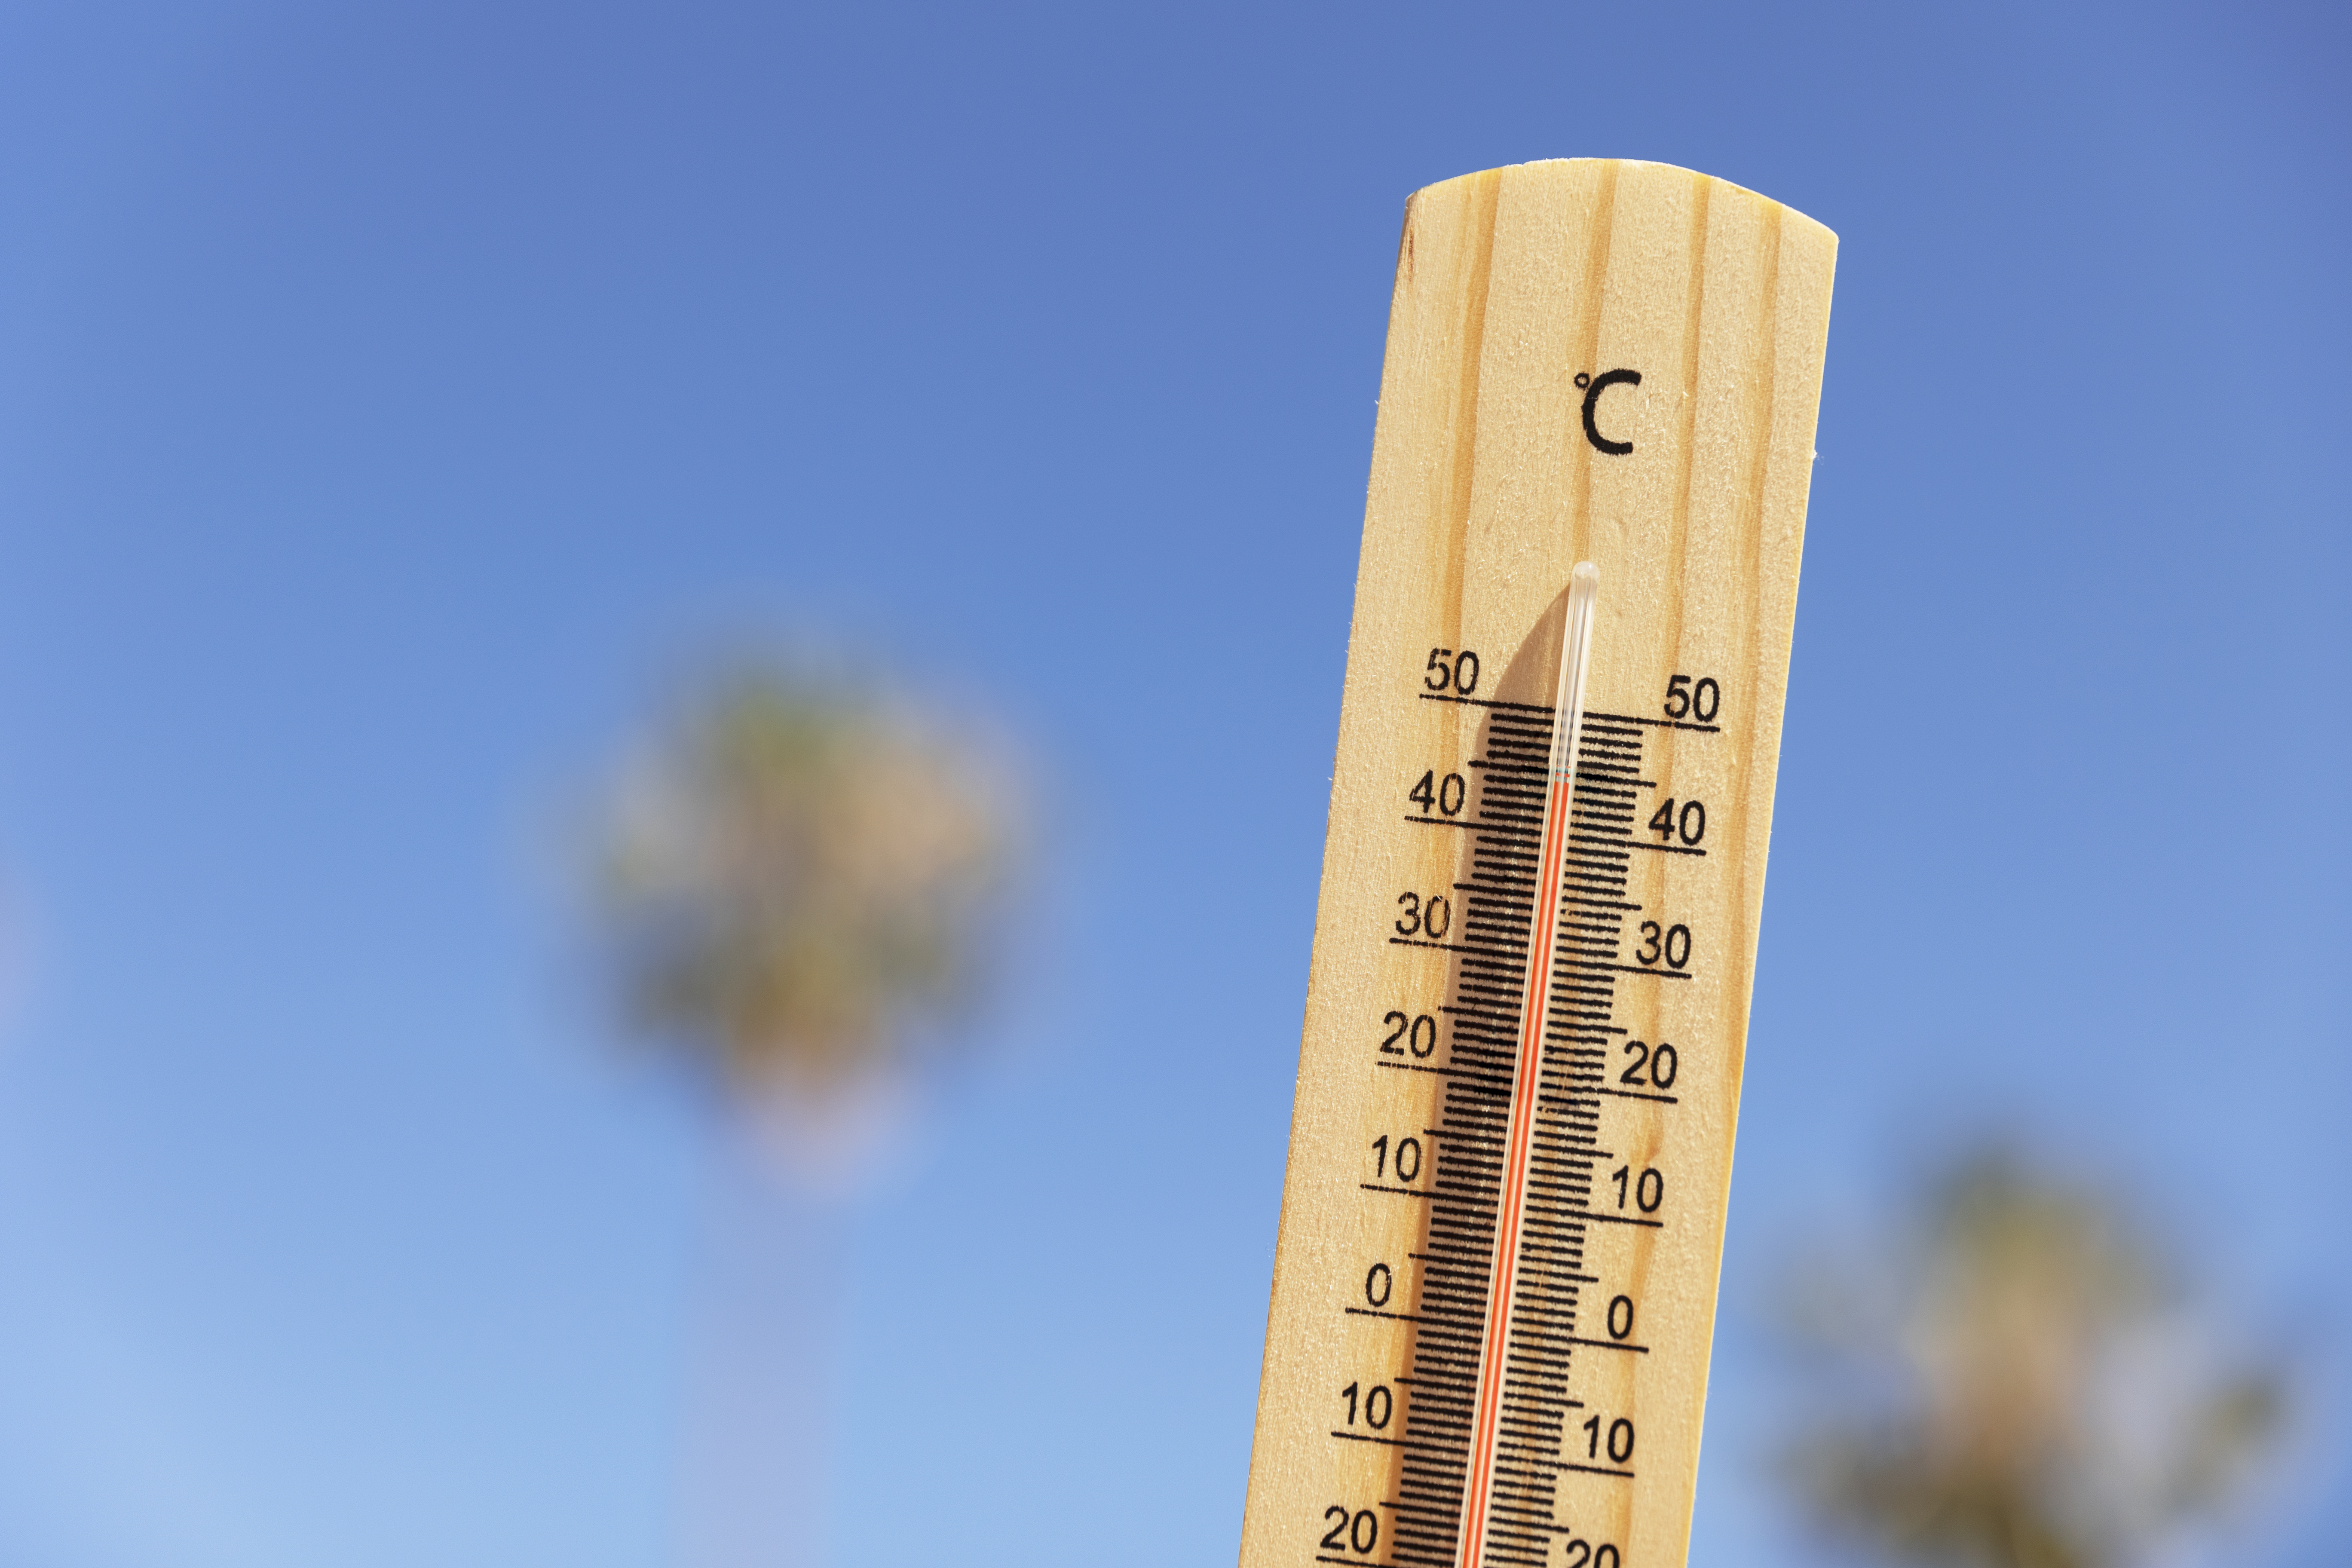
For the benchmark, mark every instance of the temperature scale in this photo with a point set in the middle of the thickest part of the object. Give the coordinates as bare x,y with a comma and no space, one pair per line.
1502,1223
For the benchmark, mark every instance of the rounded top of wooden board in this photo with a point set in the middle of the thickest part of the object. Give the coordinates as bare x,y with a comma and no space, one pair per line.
1582,169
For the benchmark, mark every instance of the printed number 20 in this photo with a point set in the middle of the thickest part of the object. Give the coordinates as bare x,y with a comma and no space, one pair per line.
1359,1531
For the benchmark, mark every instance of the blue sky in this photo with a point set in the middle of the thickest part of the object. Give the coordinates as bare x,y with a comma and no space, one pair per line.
395,400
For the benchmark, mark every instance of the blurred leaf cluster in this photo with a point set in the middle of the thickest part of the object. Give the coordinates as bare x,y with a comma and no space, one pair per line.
796,874
2021,1383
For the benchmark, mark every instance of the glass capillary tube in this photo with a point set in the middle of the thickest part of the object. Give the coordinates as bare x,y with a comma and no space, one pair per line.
1535,1006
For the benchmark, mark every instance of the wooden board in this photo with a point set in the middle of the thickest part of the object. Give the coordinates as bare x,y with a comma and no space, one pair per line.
1597,361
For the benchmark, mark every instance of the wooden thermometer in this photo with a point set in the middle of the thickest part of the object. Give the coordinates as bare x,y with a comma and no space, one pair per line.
1509,1156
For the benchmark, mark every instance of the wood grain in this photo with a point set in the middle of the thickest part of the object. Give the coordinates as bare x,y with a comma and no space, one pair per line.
1516,289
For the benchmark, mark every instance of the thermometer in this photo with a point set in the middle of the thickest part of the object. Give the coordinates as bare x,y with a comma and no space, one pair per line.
1502,1222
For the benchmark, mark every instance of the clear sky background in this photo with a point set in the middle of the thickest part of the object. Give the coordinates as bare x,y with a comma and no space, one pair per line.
395,400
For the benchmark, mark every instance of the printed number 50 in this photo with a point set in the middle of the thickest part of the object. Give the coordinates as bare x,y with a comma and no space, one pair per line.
1449,670
1684,700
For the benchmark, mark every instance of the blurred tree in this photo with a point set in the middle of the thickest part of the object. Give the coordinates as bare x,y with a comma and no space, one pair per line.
2018,1387
796,877
794,883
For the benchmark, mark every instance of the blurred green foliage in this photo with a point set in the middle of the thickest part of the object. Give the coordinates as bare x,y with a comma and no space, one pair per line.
2020,1381
796,874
